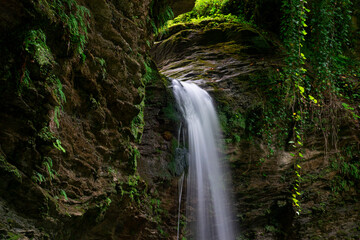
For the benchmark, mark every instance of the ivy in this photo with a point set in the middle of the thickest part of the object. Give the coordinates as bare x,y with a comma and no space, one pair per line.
320,95
293,31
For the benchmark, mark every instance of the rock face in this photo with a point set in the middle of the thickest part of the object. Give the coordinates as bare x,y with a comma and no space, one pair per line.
181,6
233,61
72,93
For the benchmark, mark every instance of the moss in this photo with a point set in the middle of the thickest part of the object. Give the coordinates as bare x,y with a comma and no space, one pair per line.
170,112
35,44
9,168
138,123
73,17
46,135
134,155
132,188
229,47
14,236
103,207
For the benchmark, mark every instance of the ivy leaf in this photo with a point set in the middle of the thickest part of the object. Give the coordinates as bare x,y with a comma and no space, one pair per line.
346,106
313,99
356,116
302,90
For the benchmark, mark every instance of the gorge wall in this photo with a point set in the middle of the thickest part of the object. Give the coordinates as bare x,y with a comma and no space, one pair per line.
74,76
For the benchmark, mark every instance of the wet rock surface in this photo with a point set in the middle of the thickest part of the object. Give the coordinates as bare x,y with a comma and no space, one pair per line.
181,6
88,190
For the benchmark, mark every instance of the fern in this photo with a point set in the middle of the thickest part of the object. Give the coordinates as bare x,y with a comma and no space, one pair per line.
35,44
56,116
48,163
63,193
38,177
75,19
57,145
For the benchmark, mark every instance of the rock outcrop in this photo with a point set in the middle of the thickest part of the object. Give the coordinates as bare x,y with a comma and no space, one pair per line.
72,93
181,6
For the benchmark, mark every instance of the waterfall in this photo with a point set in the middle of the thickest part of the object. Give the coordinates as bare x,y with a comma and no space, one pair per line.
208,206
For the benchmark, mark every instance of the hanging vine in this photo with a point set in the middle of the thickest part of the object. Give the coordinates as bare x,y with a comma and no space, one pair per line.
293,33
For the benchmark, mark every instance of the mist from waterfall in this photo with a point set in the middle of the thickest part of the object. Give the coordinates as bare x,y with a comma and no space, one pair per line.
208,205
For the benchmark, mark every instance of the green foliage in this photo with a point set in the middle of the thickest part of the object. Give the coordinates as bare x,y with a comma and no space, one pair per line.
209,10
156,212
102,64
150,74
94,103
46,135
274,121
347,165
38,177
314,94
9,168
233,123
56,116
25,81
130,189
48,163
293,32
35,45
103,206
191,17
63,193
57,87
138,123
75,19
57,145
170,112
160,13
14,236
209,7
351,170
134,154
271,229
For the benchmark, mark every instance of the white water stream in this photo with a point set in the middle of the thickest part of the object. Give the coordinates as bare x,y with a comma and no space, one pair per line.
208,203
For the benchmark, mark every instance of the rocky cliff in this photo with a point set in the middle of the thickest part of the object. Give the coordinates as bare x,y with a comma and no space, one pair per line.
73,83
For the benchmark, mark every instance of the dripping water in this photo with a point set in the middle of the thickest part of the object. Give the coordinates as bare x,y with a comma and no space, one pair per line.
180,189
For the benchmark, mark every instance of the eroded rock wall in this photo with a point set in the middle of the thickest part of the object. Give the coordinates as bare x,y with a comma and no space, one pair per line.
72,90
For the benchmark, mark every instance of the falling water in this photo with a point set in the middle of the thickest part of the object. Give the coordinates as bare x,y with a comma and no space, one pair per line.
208,205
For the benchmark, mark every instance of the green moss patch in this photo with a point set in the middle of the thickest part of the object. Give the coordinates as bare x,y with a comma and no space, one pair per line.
9,168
